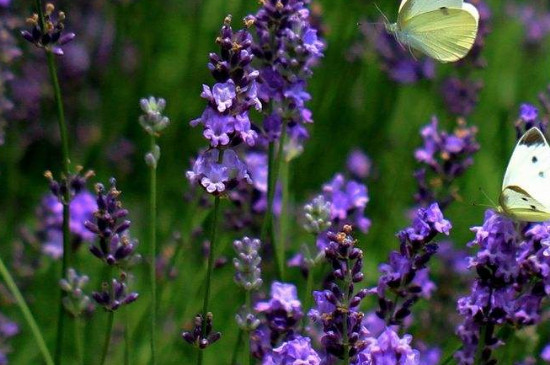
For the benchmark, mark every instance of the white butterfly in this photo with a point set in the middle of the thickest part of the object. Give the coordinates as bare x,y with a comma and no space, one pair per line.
525,192
442,29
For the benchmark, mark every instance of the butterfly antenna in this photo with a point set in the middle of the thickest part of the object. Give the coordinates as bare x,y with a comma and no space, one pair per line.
381,12
488,198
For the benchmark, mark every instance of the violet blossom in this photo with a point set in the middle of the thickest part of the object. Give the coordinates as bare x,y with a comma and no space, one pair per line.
446,156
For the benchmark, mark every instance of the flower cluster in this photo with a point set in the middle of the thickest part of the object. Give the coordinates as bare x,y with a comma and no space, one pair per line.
530,116
317,215
114,295
404,278
115,245
48,34
247,263
287,46
446,157
50,212
295,351
388,348
153,120
348,200
512,280
337,307
196,336
225,119
75,301
282,311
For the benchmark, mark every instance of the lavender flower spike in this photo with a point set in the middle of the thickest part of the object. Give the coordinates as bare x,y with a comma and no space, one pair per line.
296,351
115,245
153,121
196,338
247,263
50,34
76,301
114,295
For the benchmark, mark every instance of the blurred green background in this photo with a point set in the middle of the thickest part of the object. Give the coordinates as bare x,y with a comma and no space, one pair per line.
354,104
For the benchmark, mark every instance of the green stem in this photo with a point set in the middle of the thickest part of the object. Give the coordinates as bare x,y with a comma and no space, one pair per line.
77,321
274,163
126,337
26,313
210,266
284,217
247,355
236,348
153,252
109,330
480,345
308,294
66,162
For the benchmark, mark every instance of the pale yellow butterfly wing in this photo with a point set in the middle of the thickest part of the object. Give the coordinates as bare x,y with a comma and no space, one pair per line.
445,34
411,8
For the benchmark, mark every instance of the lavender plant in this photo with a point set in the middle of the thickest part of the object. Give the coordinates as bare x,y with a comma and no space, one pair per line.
153,122
226,124
286,48
116,249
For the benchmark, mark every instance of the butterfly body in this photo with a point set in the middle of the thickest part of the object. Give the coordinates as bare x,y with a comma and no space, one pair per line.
525,192
442,29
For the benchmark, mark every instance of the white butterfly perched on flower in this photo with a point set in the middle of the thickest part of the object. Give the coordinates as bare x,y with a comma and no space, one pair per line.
525,192
442,29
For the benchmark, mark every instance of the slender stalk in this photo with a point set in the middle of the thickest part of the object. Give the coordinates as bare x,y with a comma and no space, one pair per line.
247,355
480,345
26,313
66,162
126,338
267,226
77,321
210,267
109,330
237,347
153,253
308,294
285,215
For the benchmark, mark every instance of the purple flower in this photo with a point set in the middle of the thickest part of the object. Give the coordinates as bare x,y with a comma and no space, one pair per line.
512,280
217,177
404,278
359,164
51,38
529,118
287,46
293,352
225,119
283,310
50,215
196,337
114,296
115,245
446,156
337,308
388,348
461,96
348,200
